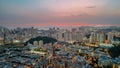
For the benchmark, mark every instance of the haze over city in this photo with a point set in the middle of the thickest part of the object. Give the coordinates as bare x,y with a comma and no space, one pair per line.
60,13
59,33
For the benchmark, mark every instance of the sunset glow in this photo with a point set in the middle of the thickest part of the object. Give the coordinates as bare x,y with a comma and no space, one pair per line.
61,12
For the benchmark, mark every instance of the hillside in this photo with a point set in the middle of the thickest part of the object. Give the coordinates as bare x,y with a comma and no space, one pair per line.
45,40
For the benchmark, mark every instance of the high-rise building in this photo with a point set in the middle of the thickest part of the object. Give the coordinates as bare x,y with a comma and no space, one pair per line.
93,37
35,43
67,36
101,37
40,43
97,37
110,37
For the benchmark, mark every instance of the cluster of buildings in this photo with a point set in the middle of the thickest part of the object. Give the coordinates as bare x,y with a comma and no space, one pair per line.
18,35
87,35
22,57
76,48
57,55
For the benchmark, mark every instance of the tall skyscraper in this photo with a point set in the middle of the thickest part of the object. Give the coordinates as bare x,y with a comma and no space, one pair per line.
101,37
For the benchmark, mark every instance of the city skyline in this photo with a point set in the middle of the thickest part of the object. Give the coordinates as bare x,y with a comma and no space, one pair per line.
59,13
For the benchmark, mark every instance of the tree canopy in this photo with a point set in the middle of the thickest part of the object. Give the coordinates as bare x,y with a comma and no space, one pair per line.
115,51
44,39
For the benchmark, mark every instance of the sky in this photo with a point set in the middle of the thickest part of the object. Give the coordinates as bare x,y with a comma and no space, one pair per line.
63,13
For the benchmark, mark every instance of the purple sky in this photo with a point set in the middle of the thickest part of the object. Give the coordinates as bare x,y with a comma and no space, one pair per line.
46,13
